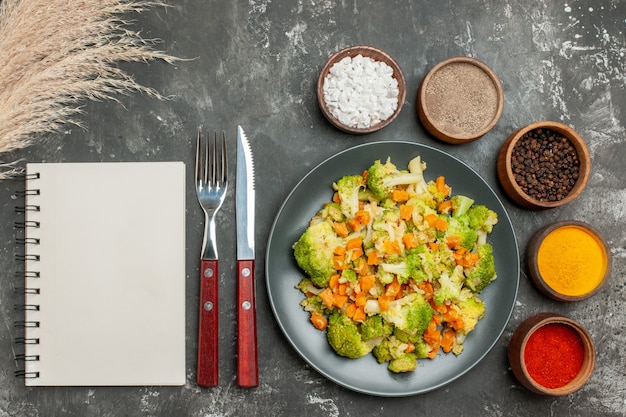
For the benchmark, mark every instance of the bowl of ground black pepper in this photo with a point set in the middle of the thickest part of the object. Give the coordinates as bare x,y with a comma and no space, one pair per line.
544,165
551,354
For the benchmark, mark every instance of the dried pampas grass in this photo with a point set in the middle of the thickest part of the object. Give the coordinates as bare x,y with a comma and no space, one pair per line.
55,55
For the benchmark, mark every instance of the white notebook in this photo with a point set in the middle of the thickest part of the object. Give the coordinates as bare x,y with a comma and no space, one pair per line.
106,283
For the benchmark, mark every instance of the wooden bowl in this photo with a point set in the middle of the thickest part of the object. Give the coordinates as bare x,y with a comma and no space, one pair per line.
377,55
460,100
519,343
508,178
591,280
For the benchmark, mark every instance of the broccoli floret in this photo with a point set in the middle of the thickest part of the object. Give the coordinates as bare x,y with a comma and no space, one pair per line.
348,188
422,349
374,327
409,267
344,337
383,178
482,218
460,226
349,275
481,274
314,252
390,348
437,196
405,363
471,309
382,352
460,204
333,212
450,285
410,313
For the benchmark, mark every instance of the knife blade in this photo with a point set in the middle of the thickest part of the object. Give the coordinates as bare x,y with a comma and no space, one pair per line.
247,353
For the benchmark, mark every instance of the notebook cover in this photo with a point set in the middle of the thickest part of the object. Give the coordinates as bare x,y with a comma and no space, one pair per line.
112,274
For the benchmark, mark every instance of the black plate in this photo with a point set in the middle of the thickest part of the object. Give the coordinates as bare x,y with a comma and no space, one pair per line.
365,374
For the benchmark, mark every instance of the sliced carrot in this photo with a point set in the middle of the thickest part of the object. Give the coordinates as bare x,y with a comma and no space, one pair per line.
470,259
441,308
360,299
441,185
342,289
431,219
392,248
339,300
333,282
355,225
406,212
410,348
339,262
383,302
363,216
399,196
453,241
433,246
356,254
340,250
441,225
445,206
367,282
447,339
350,310
427,287
433,353
432,335
319,321
451,315
341,228
336,198
354,243
359,315
361,266
327,296
458,324
372,258
409,240
392,289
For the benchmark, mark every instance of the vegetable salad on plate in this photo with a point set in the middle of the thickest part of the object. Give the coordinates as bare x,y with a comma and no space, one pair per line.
395,264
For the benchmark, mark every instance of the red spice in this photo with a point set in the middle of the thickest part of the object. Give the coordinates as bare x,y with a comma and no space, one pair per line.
554,354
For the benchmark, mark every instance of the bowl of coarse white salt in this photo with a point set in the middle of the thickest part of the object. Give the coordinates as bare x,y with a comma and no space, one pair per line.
361,89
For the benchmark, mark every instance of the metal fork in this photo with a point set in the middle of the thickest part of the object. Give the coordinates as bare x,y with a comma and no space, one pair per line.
211,185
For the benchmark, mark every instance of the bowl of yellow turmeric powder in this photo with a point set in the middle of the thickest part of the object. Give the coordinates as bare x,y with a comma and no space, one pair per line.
569,260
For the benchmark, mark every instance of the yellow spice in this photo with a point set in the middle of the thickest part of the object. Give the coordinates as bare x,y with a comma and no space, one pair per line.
572,260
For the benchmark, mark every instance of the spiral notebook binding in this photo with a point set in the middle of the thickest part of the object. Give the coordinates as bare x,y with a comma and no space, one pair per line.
26,273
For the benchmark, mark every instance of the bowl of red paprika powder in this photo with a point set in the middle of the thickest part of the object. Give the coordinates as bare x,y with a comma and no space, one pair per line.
544,165
551,354
568,260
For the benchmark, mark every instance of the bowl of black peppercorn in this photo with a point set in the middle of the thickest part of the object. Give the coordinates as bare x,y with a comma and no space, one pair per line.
544,165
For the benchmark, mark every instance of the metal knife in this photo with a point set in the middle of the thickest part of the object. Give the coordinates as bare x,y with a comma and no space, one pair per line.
247,354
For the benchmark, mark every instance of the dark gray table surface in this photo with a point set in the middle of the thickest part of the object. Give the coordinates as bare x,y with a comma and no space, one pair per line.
255,63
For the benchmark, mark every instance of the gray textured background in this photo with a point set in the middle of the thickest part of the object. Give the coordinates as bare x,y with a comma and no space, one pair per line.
255,63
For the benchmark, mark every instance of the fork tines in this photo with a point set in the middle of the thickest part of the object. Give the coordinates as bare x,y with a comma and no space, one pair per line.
211,162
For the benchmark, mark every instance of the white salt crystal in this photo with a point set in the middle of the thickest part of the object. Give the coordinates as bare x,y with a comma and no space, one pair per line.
361,92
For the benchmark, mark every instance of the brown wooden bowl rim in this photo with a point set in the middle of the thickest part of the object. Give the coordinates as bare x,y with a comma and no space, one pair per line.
366,51
423,110
505,171
533,269
517,346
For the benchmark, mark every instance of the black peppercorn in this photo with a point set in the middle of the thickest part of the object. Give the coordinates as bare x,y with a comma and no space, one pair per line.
545,165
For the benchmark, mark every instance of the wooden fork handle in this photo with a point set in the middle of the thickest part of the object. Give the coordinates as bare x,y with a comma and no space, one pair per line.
208,370
247,355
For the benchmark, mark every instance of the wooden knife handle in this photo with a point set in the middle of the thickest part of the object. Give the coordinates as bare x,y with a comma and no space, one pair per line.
208,370
247,354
